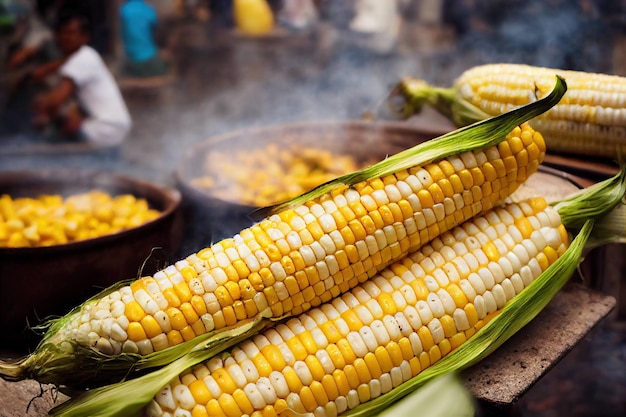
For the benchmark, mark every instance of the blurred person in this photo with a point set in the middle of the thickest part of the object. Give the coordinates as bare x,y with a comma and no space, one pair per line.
32,39
378,23
139,23
86,105
298,14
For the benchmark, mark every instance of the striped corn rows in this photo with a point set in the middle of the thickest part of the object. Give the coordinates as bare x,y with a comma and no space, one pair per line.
382,332
305,256
589,120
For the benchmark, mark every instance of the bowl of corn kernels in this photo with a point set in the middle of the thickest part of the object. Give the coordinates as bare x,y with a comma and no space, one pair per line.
67,234
226,177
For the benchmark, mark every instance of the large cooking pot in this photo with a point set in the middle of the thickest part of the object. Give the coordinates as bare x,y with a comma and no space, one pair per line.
211,218
41,282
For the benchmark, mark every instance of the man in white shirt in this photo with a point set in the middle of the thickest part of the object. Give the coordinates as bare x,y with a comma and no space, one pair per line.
101,116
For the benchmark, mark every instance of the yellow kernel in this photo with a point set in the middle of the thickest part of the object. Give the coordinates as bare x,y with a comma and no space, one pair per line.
341,381
315,367
133,311
308,399
136,332
426,337
174,337
274,356
241,399
346,351
371,361
151,326
183,291
352,376
200,392
229,405
362,370
177,318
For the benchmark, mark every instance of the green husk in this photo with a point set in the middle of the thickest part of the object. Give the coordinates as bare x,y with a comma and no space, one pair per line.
433,400
416,93
484,133
593,201
68,363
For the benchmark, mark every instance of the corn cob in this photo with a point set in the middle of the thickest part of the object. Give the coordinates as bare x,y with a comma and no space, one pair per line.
589,120
302,257
381,333
307,252
390,293
305,256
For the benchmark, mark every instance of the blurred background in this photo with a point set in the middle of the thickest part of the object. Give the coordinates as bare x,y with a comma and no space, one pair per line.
314,60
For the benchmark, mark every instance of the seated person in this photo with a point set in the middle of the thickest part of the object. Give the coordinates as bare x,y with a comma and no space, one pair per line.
139,21
87,103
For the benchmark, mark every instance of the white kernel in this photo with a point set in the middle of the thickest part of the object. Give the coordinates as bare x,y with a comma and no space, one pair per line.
509,289
479,305
460,319
517,282
424,311
374,308
353,399
381,197
462,267
396,376
325,360
318,250
303,372
447,301
487,277
368,338
435,304
342,404
375,388
380,332
327,222
267,390
412,316
118,333
357,344
436,329
279,383
165,398
499,295
530,272
254,396
506,266
490,302
477,283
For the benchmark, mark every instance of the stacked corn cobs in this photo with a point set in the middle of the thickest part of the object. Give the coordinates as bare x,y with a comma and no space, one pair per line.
331,301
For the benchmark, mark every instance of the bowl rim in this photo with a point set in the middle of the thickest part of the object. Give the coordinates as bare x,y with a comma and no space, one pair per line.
182,169
172,198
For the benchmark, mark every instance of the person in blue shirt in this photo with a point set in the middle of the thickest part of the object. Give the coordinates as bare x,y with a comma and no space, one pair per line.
139,21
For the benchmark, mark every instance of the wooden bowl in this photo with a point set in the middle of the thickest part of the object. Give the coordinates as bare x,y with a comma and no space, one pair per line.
39,282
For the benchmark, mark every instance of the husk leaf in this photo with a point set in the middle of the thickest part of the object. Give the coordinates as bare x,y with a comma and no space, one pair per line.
128,398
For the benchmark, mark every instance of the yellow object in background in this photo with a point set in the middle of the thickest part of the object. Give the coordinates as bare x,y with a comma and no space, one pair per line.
253,17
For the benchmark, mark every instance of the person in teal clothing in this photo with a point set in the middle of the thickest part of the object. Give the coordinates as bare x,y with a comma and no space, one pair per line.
139,21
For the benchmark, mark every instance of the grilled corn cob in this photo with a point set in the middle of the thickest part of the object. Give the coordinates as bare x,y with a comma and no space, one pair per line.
589,120
383,332
310,250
